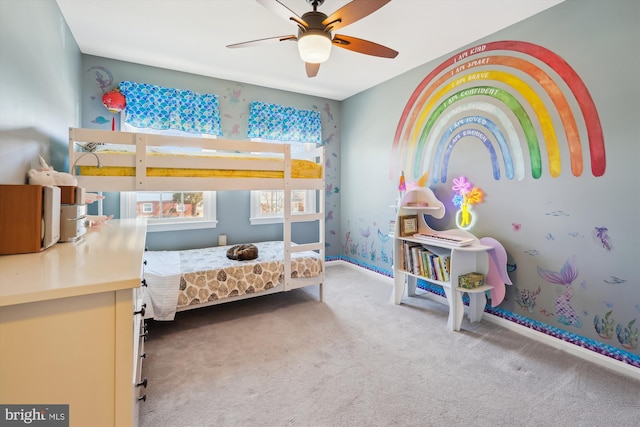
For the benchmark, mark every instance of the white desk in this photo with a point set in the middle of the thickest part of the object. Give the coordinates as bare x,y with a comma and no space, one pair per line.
472,258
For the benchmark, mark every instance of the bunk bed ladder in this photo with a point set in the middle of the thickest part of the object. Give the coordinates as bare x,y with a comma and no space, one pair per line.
289,219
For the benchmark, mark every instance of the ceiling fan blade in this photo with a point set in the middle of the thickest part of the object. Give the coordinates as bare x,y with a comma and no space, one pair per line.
352,12
260,42
363,46
312,69
283,11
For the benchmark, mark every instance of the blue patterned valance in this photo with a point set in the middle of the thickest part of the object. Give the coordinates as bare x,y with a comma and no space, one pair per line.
157,107
277,122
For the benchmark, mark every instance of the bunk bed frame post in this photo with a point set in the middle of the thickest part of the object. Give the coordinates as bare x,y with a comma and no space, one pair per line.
286,223
141,161
72,153
321,224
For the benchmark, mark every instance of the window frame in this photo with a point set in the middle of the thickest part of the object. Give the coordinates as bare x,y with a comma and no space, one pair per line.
128,199
257,218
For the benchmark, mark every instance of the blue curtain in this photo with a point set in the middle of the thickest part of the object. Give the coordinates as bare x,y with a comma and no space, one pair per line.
277,122
157,107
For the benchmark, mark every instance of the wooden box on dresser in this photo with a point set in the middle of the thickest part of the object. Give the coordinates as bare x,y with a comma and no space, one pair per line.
473,257
70,322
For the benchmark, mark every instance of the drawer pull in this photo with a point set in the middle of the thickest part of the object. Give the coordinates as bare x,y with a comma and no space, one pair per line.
144,283
143,398
145,335
145,262
143,383
143,356
142,310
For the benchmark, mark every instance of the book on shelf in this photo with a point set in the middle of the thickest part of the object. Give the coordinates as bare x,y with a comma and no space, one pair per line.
447,268
415,259
421,261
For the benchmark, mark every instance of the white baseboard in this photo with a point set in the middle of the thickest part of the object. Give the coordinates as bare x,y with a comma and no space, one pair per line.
583,353
591,356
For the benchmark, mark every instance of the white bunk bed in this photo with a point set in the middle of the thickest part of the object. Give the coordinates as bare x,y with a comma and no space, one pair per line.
127,161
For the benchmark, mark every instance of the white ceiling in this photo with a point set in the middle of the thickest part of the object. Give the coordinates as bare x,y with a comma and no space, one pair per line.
191,36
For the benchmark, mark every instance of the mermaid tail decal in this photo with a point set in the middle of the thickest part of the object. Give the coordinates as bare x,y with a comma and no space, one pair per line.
565,277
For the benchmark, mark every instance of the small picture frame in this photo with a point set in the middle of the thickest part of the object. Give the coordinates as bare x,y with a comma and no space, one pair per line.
408,225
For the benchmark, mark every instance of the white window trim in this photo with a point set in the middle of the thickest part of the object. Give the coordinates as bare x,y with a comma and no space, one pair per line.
128,203
257,218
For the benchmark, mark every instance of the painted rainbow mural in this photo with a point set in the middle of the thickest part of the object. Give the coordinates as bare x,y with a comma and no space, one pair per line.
495,92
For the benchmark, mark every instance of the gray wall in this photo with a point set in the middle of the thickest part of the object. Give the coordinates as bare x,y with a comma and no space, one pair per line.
546,223
101,74
39,87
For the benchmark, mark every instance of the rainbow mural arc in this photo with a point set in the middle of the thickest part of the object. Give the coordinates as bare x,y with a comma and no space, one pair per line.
479,93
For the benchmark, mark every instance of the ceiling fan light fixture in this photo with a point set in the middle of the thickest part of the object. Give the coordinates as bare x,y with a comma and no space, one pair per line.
314,46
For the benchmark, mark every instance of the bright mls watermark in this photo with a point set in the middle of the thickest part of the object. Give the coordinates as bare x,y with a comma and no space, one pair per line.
34,415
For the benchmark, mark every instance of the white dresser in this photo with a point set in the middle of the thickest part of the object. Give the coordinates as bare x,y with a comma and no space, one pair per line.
70,327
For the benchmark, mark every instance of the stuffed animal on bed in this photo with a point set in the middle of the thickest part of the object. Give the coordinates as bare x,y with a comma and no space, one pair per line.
243,252
46,175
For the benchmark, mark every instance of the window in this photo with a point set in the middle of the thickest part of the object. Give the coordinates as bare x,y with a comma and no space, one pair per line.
167,210
267,206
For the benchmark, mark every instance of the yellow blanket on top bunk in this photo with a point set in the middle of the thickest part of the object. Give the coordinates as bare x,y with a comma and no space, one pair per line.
299,169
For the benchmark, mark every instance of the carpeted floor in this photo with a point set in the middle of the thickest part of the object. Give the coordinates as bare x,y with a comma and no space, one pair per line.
359,360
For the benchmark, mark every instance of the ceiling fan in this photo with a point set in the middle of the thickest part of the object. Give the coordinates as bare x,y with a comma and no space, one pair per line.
316,31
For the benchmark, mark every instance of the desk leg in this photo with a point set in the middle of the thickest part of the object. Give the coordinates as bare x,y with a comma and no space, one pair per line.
456,309
398,291
412,282
477,302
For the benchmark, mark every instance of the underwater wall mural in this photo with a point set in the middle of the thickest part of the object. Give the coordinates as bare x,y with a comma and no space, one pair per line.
535,118
104,82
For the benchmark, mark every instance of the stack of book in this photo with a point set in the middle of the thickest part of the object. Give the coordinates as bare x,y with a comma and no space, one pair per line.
426,262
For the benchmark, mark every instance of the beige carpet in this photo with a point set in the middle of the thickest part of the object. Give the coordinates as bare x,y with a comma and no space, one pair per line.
359,360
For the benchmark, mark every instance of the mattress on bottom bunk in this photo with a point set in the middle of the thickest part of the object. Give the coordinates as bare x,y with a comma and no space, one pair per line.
177,279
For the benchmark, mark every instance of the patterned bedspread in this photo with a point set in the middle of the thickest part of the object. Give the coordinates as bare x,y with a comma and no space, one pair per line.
208,275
